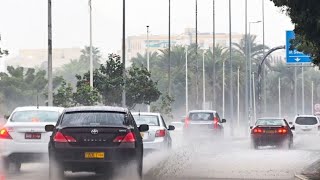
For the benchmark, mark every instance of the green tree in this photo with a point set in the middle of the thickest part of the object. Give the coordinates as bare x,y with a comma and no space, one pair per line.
305,16
85,95
163,106
140,88
64,95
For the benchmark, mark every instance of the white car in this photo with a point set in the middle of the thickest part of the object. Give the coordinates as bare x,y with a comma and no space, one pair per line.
23,137
306,124
158,137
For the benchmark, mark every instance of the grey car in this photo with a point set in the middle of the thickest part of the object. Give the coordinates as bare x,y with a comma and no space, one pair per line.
158,137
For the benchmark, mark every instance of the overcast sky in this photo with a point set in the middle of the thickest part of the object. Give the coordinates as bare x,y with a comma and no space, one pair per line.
23,23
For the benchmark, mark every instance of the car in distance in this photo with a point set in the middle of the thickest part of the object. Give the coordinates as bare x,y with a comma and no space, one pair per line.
158,137
306,125
204,121
23,138
95,139
271,132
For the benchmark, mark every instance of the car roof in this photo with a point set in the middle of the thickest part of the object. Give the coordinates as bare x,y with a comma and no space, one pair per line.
146,113
204,111
40,108
306,116
271,118
96,108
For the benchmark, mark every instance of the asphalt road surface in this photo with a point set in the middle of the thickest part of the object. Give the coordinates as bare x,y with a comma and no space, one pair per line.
230,158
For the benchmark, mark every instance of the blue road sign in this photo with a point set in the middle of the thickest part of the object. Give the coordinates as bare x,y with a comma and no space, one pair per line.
294,56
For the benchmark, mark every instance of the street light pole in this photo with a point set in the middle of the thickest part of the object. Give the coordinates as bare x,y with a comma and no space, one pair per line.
50,81
312,94
91,58
238,101
187,93
246,65
264,69
169,53
231,68
124,51
250,71
148,58
279,97
197,61
203,81
213,57
302,79
223,89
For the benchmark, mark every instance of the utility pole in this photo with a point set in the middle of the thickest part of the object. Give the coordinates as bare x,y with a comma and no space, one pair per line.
295,91
302,95
213,57
124,52
231,68
197,61
223,89
50,88
91,58
279,97
187,88
238,102
312,96
203,81
254,98
264,68
148,58
246,66
169,53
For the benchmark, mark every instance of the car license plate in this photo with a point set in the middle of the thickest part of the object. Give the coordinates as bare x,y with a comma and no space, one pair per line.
270,131
32,136
94,155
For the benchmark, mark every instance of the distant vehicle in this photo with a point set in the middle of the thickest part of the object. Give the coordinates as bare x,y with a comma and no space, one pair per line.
95,139
306,124
204,121
158,137
271,132
23,138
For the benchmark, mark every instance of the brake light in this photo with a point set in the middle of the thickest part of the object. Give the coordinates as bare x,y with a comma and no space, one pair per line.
257,130
161,133
61,138
186,122
282,131
4,134
215,122
129,138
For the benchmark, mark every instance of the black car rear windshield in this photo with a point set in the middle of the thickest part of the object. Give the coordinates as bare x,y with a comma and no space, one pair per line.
306,120
78,119
270,122
201,116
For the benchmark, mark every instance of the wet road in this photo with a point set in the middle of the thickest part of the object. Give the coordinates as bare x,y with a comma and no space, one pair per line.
205,159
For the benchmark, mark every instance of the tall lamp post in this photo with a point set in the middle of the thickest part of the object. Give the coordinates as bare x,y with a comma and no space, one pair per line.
231,68
169,53
148,58
187,88
91,58
50,81
250,69
203,81
124,50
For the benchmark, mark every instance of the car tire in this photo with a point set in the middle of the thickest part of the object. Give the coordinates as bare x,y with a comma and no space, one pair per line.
17,167
55,172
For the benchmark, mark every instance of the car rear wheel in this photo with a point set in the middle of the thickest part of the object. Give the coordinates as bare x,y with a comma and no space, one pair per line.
55,172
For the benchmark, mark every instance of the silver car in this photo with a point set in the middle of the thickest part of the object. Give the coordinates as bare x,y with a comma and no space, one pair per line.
158,137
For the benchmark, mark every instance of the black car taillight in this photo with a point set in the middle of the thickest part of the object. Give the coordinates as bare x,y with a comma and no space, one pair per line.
257,131
128,138
282,131
61,138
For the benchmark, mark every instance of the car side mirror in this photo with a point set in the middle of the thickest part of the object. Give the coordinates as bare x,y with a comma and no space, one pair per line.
251,127
6,117
293,128
49,128
223,121
143,128
171,128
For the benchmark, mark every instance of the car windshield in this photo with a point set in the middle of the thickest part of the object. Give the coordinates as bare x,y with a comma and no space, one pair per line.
76,119
150,120
270,122
306,120
201,116
35,116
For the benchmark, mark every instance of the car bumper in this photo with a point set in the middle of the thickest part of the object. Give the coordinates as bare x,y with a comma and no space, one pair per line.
265,140
74,158
11,148
157,144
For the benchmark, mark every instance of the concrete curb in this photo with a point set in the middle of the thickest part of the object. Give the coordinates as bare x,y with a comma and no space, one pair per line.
301,177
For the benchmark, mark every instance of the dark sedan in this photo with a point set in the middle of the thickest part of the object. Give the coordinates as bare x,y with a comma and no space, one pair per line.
271,132
95,139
